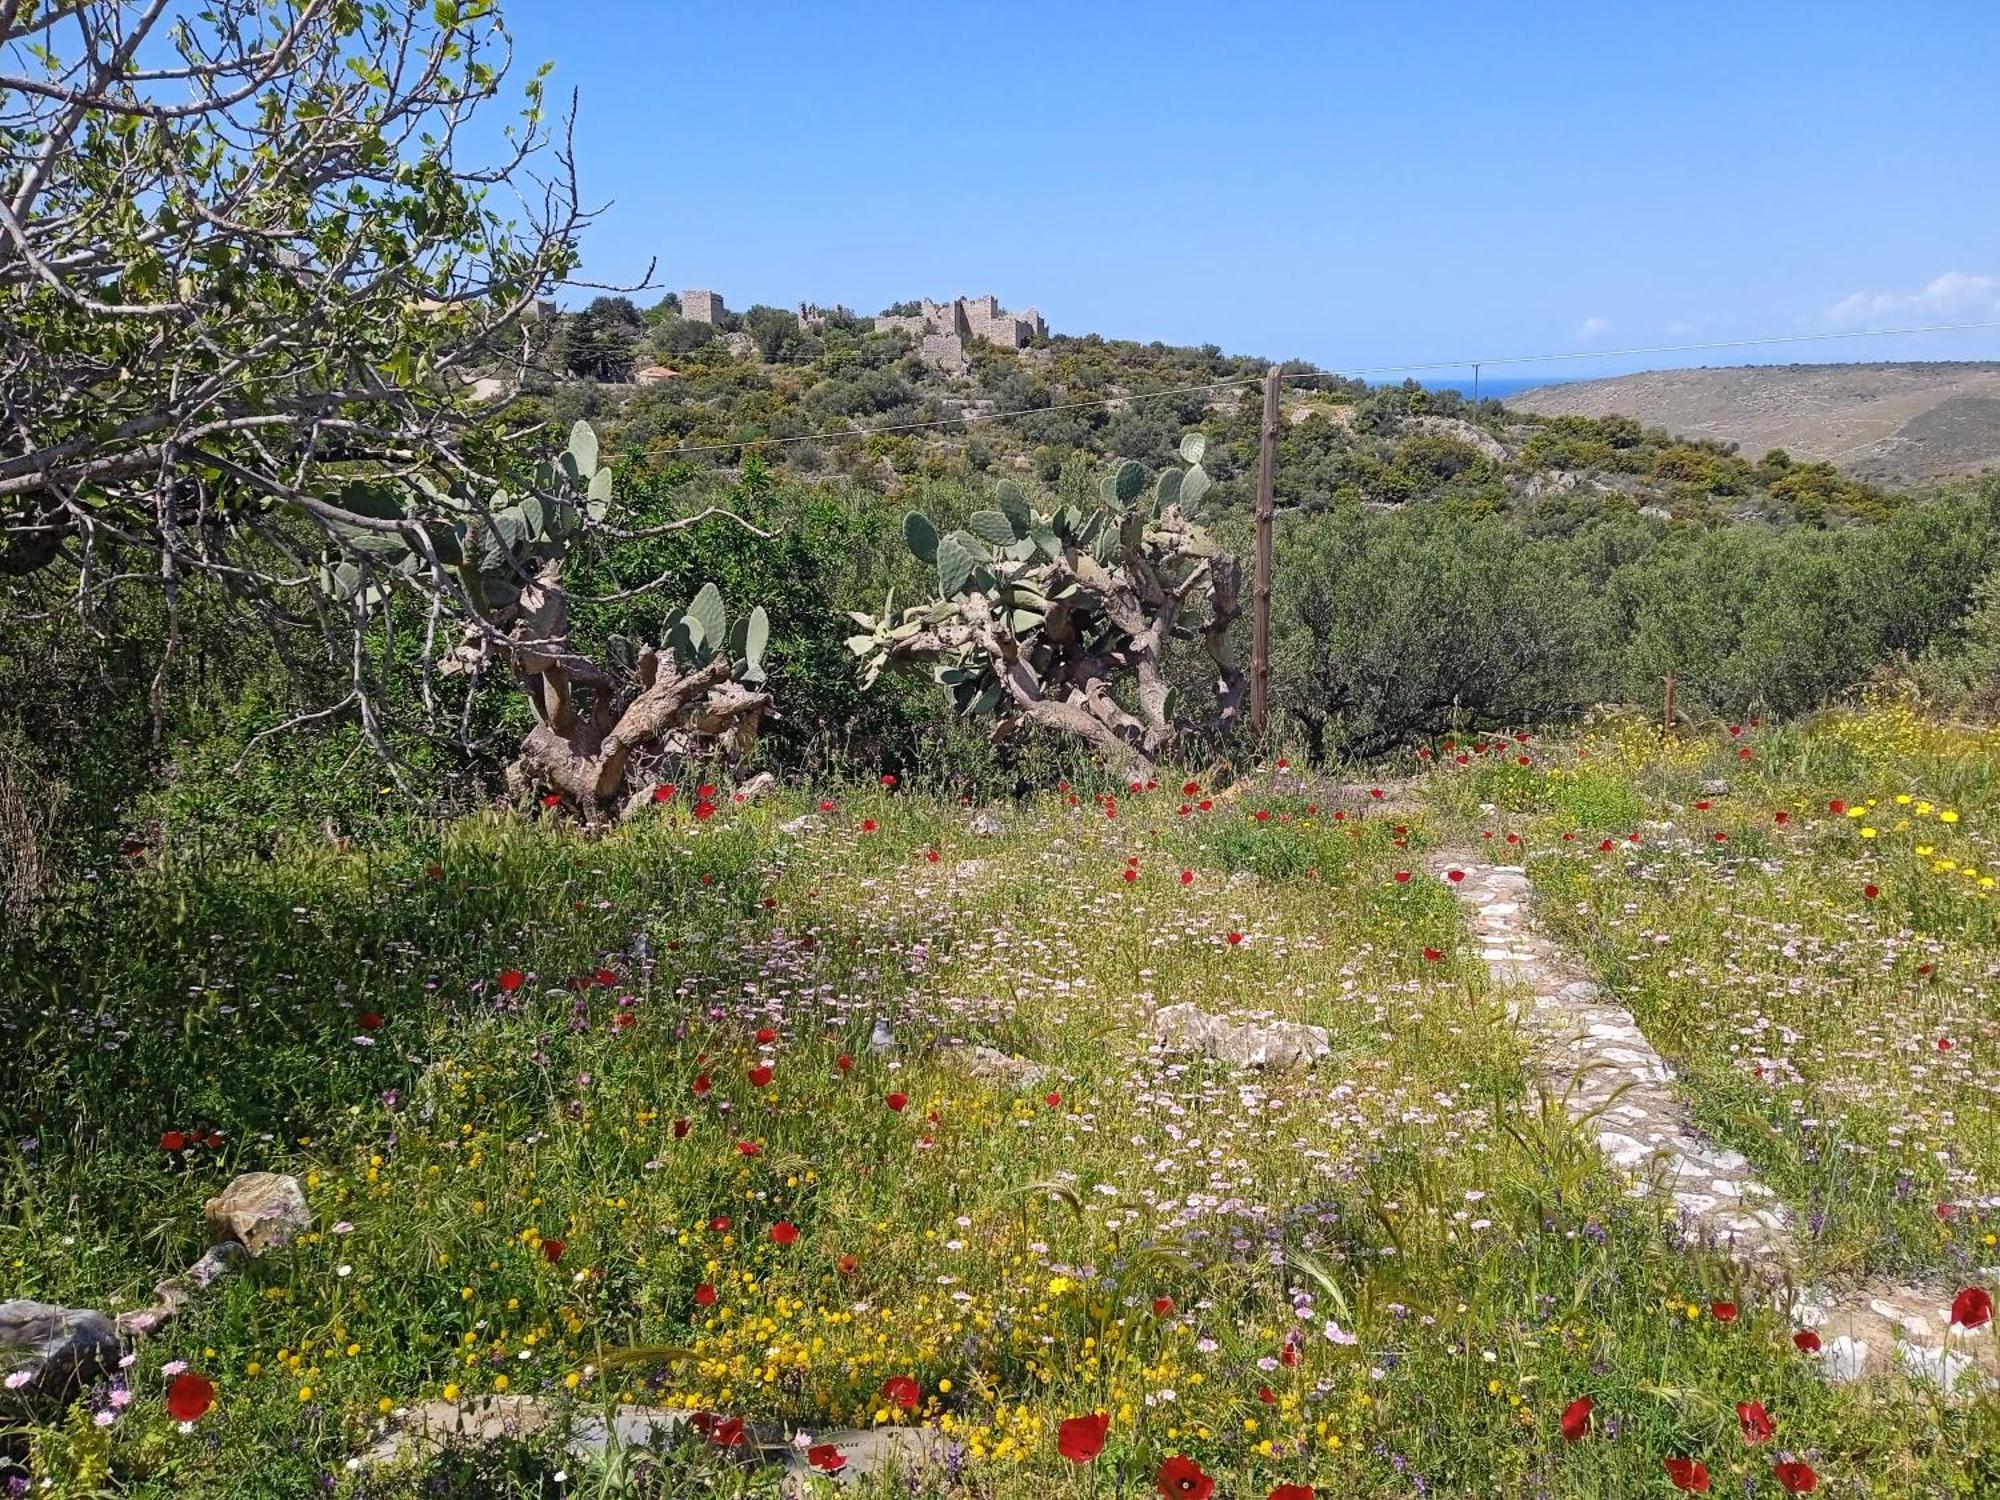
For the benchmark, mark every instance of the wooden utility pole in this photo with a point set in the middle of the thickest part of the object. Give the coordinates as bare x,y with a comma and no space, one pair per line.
1260,591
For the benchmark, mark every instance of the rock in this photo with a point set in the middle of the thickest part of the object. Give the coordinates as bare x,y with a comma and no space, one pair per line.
1002,1067
986,824
1715,786
587,1432
757,787
1246,1044
259,1210
60,1350
803,827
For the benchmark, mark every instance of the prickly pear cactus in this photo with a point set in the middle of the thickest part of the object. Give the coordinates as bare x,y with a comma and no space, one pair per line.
1040,613
599,724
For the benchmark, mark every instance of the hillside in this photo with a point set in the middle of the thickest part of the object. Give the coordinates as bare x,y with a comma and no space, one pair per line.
871,402
1896,425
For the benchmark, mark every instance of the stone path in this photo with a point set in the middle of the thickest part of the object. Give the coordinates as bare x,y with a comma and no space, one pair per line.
1616,1088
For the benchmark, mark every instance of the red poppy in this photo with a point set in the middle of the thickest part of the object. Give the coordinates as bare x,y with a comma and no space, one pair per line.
1944,1044
843,1062
1080,1439
784,1232
1181,1478
681,1128
760,1075
1576,1418
1721,837
749,1148
727,1433
1433,955
705,791
552,1250
369,1020
663,792
847,1265
869,825
511,980
1190,789
704,1295
720,1223
172,1140
1972,1308
897,1102
1688,1474
1291,1492
702,1085
1836,806
1807,1341
901,1390
767,1034
1052,1099
1722,1312
1266,1395
1235,938
552,799
1288,1354
1163,1307
1187,877
703,811
933,856
1402,877
1871,891
1454,876
888,778
826,1458
1130,874
189,1396
1756,1425
1796,1476
1781,818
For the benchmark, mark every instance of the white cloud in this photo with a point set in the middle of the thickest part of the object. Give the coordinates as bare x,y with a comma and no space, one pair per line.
1955,294
1593,328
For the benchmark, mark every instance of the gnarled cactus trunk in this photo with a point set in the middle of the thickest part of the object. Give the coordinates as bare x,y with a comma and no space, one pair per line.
1041,616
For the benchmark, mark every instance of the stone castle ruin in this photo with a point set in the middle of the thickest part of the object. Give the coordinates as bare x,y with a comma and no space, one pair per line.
942,329
702,307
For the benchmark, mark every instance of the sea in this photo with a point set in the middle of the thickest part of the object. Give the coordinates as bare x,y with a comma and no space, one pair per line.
1490,387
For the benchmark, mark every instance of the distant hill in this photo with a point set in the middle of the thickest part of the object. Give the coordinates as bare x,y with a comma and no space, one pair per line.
1890,424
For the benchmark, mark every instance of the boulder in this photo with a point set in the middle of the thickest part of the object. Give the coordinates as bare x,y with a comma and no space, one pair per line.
59,1351
1017,1072
1244,1044
986,824
259,1211
757,787
803,827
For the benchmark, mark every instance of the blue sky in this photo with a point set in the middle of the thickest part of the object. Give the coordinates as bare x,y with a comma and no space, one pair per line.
1358,185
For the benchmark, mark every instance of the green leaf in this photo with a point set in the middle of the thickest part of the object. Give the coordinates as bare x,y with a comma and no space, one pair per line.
1167,488
992,527
1122,484
1194,484
709,621
600,486
1013,503
583,448
1193,446
954,566
756,636
921,535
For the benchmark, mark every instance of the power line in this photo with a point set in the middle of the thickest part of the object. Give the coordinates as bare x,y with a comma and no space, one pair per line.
968,418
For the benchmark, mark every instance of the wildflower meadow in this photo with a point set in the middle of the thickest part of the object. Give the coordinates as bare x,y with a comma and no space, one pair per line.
801,1121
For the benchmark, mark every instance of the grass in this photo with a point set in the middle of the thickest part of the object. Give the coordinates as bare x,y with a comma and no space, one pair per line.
1388,1276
